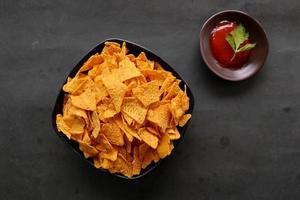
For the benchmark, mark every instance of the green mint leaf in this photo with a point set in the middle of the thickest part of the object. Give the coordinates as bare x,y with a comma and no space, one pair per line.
230,41
239,35
246,47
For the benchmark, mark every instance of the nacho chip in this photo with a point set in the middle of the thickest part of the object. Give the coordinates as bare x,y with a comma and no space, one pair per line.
173,133
129,132
133,108
179,105
136,163
113,134
148,138
147,93
126,70
86,100
96,124
93,60
115,88
160,116
87,148
109,155
163,148
184,119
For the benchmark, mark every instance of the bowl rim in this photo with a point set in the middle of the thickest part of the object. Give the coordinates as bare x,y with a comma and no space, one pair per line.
221,75
148,52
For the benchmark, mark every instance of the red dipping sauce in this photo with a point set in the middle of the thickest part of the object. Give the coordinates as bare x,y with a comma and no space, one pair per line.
222,51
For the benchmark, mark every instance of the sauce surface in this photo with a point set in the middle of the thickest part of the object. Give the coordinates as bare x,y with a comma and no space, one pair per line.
222,51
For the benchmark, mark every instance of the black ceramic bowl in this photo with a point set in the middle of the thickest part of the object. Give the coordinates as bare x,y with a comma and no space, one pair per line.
133,49
258,54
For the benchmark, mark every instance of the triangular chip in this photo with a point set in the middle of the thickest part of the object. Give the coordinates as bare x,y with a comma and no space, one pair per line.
147,93
115,88
86,100
113,134
148,138
134,108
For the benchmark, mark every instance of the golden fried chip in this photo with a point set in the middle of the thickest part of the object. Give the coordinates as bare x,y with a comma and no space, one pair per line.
115,88
113,134
96,124
133,108
160,116
87,148
179,105
86,100
148,138
61,126
184,119
93,60
147,93
110,155
136,163
173,133
163,148
127,119
126,70
173,90
129,132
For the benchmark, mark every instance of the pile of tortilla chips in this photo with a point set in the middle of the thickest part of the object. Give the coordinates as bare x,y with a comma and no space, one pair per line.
123,110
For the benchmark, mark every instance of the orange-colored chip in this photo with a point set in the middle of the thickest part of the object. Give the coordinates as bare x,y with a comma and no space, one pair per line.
160,116
173,133
148,138
96,124
113,134
93,60
133,108
115,88
184,119
86,100
126,70
163,148
147,93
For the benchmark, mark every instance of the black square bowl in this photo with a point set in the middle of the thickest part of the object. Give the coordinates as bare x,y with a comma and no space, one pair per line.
136,50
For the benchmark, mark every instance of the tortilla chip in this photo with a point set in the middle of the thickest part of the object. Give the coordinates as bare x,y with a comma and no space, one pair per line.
147,93
86,100
184,119
93,60
160,116
113,134
148,138
133,108
173,133
115,88
96,124
126,70
136,163
163,148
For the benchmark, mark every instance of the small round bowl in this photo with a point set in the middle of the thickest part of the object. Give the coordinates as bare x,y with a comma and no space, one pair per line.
258,54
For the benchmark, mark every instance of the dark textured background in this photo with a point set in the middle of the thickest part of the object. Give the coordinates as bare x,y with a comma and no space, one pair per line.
243,142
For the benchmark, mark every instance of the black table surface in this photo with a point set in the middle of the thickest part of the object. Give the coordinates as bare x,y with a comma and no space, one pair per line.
243,141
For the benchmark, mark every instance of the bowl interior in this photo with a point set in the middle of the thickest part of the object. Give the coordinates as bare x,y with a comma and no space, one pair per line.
257,34
133,49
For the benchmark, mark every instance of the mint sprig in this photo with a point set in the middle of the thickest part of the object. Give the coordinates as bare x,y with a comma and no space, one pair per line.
236,38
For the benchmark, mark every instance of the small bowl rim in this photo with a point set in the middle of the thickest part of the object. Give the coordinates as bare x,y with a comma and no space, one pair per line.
221,75
148,52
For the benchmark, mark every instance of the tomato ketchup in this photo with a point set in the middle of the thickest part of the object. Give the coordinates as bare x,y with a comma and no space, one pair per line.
221,49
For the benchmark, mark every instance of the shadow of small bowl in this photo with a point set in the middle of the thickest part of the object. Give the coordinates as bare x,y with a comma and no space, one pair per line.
136,50
258,54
